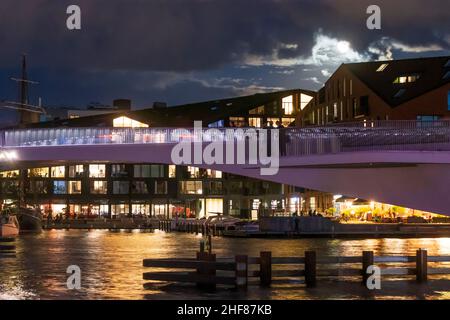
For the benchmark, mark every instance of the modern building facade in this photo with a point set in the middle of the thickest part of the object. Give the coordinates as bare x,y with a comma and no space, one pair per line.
411,89
123,189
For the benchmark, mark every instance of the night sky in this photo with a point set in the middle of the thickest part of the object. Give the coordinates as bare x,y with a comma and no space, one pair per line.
181,51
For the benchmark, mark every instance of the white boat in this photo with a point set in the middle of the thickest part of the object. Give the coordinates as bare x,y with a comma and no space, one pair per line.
9,226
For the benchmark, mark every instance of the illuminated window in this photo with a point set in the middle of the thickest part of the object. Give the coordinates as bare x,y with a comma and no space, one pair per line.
214,174
99,187
193,172
237,122
191,187
304,100
273,122
172,171
286,122
382,67
407,78
97,171
120,209
38,172
9,174
287,104
58,172
76,171
74,187
59,187
254,122
335,111
140,209
125,122
160,187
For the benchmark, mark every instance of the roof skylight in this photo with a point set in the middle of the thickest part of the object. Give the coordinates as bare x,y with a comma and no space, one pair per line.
382,67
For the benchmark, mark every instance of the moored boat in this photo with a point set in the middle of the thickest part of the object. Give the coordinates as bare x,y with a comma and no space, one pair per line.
9,226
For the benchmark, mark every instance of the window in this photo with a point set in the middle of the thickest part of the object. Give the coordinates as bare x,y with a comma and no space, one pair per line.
382,67
139,187
172,171
119,171
215,187
237,122
446,76
254,122
335,111
59,187
160,187
120,209
304,100
121,187
97,171
125,122
9,174
448,101
193,172
39,187
76,171
217,124
351,87
38,172
140,209
447,65
286,122
99,187
10,186
149,171
58,172
258,110
287,104
74,187
399,93
407,78
191,187
214,174
427,118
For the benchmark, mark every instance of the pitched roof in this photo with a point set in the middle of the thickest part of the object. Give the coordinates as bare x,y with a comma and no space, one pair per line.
430,70
181,115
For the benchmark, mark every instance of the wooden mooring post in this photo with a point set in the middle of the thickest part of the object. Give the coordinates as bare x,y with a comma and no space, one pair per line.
367,260
7,248
265,268
310,269
207,270
421,265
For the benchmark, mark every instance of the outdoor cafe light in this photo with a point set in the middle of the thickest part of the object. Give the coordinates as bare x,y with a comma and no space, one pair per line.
8,155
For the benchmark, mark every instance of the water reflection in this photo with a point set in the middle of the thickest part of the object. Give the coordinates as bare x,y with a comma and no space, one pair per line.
111,263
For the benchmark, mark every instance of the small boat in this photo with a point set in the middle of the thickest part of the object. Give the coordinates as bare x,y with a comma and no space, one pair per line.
30,220
9,226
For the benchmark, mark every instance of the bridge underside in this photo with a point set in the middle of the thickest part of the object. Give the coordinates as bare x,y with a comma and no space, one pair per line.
413,179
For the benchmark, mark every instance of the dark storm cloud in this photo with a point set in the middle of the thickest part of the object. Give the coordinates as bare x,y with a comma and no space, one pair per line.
176,35
182,51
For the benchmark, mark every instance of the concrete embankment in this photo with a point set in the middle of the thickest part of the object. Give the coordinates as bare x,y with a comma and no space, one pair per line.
125,223
323,227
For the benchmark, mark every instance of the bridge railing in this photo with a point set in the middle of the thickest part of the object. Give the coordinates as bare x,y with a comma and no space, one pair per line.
361,136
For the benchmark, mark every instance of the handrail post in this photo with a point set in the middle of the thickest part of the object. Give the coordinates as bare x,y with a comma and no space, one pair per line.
310,269
367,260
241,272
265,268
421,265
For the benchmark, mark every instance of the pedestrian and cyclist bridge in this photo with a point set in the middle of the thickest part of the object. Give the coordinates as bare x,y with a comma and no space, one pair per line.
405,163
